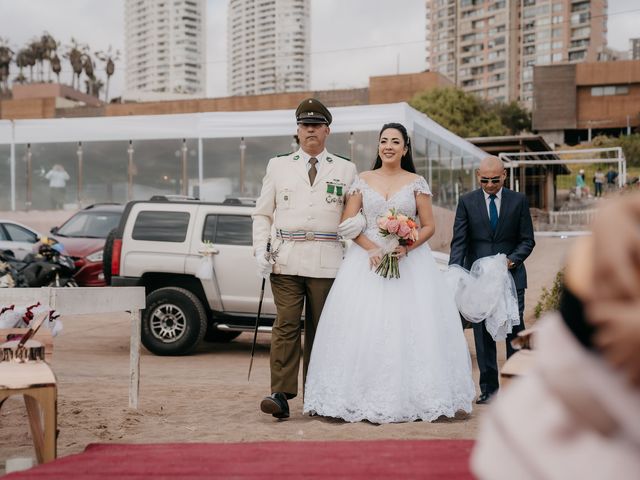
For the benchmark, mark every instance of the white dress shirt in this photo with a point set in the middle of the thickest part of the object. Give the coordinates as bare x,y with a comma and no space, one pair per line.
321,157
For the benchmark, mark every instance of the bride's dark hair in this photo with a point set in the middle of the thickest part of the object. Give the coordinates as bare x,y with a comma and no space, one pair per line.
407,159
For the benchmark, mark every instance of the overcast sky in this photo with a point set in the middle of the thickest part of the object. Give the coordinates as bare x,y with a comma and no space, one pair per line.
351,40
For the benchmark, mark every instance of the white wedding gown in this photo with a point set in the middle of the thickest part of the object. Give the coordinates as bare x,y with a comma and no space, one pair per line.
389,350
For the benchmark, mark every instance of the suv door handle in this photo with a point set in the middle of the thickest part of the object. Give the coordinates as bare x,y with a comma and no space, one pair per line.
211,251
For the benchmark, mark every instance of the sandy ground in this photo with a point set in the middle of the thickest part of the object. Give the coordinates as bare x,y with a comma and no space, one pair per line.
206,396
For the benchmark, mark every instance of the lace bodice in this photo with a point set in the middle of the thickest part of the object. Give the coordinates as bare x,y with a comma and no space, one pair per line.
375,205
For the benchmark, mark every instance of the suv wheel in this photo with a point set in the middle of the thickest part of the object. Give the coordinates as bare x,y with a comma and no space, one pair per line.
174,322
107,254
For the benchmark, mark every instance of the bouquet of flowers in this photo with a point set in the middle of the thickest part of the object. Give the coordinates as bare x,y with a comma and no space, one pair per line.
399,229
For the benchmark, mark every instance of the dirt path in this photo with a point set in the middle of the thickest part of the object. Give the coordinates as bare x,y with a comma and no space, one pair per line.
203,397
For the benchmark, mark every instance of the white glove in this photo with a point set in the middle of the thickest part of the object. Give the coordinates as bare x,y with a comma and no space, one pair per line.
264,266
352,227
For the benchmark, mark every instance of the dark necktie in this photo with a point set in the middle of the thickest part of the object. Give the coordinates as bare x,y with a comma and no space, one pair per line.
493,212
312,170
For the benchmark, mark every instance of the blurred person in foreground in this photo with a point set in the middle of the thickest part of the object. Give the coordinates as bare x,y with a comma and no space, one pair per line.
582,395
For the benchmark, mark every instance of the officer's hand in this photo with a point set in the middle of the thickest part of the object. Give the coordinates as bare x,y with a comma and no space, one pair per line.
352,227
264,266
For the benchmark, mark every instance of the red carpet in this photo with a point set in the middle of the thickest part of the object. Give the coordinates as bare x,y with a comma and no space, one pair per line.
429,459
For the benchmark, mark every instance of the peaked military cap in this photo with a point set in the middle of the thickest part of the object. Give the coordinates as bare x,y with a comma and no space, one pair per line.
313,111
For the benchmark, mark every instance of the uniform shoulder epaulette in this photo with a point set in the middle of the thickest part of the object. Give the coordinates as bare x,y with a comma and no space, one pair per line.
284,154
344,158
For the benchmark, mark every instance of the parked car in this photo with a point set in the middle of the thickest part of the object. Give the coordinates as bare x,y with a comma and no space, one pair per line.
83,236
17,239
162,245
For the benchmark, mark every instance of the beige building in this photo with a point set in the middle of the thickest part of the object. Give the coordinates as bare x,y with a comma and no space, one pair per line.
489,47
165,49
268,46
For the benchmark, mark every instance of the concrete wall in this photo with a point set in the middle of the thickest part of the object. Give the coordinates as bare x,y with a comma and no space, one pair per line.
387,89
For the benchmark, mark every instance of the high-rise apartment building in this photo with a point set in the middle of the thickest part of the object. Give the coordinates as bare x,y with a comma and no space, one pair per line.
634,51
268,46
165,49
489,47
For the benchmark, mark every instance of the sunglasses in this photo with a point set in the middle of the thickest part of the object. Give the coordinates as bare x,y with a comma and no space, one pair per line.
493,180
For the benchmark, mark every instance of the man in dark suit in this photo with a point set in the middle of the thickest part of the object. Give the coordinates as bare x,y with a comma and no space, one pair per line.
492,220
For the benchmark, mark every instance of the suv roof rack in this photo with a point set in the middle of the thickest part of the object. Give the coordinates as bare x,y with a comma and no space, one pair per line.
172,198
100,204
239,201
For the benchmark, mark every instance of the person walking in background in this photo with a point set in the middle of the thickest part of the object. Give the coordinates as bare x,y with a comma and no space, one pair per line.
612,176
302,199
598,181
581,185
488,221
58,178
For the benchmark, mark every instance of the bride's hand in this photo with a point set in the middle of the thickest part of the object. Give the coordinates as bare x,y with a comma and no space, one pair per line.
401,251
375,257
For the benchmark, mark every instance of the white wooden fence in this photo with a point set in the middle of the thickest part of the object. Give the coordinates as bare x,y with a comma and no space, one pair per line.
572,217
81,301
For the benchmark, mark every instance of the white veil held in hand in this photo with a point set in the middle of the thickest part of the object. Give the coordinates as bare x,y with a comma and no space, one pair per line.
488,293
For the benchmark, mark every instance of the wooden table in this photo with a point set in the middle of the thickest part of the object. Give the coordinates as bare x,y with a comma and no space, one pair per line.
37,384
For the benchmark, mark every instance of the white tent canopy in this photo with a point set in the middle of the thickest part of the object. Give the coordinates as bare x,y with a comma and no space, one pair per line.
223,125
218,125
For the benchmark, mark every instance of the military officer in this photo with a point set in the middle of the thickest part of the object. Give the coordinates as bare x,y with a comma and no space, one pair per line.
300,209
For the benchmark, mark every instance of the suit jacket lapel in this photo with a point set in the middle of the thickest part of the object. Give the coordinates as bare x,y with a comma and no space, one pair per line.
299,165
505,204
326,169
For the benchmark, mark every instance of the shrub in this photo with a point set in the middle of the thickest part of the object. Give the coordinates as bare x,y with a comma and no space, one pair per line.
550,299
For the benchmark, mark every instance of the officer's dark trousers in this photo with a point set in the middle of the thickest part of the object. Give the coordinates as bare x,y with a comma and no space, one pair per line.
290,292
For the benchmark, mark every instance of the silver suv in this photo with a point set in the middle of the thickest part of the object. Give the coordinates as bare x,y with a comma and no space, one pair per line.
165,245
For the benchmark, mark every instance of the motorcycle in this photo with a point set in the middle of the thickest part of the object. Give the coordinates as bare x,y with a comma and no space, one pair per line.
47,267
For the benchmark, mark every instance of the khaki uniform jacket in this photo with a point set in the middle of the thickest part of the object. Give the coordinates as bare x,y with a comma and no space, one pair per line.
288,202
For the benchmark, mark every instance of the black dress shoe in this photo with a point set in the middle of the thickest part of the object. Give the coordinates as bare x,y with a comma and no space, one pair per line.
484,398
276,404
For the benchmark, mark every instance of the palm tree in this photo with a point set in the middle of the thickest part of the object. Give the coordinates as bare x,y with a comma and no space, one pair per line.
49,45
38,52
6,55
87,65
74,55
56,65
110,67
22,61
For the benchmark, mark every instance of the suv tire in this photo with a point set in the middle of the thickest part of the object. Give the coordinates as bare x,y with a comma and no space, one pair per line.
107,254
174,322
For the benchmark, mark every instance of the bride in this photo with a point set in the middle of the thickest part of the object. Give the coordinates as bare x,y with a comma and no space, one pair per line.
389,349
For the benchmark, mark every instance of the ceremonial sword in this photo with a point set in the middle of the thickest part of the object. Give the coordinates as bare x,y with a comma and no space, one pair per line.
255,330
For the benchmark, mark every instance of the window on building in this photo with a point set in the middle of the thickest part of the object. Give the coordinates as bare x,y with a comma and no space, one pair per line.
576,56
608,90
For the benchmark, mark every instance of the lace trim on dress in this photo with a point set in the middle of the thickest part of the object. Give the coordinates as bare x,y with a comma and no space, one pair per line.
419,185
357,186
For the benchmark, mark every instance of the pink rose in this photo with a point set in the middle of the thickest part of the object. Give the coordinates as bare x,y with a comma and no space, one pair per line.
392,226
382,222
404,230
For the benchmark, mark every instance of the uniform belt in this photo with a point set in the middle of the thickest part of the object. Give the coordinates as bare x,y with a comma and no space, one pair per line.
303,236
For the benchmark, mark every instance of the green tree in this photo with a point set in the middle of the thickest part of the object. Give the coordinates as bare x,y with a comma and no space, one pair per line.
463,113
515,118
630,146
